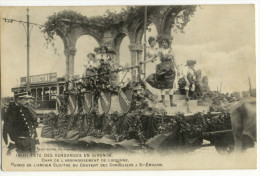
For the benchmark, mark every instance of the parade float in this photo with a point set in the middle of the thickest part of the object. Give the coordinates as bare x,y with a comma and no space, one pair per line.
96,109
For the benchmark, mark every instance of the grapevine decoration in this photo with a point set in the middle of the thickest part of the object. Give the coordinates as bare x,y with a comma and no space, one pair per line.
140,127
57,24
143,122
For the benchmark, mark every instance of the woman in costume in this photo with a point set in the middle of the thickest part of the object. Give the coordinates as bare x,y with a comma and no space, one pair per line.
103,55
164,77
106,66
152,54
91,69
92,64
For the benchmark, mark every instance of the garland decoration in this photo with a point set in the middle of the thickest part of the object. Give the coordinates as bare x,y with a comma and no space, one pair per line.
143,122
62,23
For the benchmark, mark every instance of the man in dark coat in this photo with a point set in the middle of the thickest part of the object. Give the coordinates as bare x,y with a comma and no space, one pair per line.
20,124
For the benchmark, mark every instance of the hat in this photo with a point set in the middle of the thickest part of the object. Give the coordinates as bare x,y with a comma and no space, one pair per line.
162,37
190,62
24,95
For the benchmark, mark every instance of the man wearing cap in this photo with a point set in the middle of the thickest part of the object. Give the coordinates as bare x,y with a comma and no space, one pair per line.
20,124
189,77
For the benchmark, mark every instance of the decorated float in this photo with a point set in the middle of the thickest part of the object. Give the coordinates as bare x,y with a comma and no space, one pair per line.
96,109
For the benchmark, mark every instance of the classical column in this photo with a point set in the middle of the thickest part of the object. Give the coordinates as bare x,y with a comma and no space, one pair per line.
139,56
70,52
71,60
139,50
66,53
132,48
136,54
139,59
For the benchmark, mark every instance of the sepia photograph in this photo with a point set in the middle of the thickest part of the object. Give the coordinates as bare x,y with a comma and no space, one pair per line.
133,87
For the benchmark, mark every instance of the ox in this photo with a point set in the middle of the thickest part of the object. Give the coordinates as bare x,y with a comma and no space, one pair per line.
243,120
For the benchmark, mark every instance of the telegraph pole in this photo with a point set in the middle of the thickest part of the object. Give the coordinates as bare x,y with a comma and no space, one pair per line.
28,51
28,30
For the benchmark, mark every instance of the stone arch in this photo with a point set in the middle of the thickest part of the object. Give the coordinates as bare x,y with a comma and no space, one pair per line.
91,33
117,42
118,39
139,33
70,41
85,44
162,16
140,30
168,19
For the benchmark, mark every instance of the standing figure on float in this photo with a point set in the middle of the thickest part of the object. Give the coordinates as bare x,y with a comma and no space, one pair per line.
106,65
165,74
103,56
92,64
91,67
152,55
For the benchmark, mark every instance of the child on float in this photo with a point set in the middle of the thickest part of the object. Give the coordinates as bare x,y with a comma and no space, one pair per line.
190,78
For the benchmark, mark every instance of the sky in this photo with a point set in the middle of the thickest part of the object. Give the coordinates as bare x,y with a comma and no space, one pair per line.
220,37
